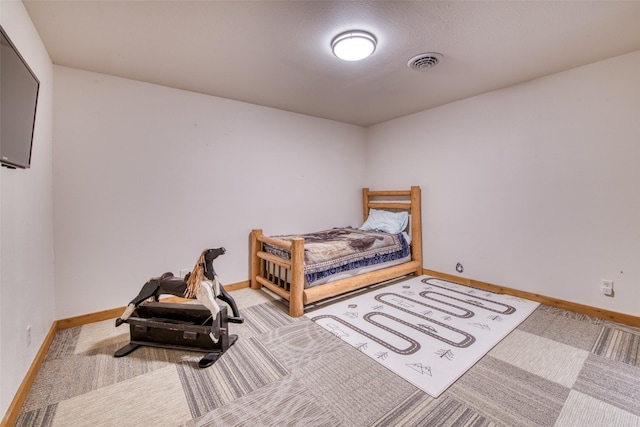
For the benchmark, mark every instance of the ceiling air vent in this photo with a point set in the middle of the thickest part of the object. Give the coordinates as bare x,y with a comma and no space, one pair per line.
424,61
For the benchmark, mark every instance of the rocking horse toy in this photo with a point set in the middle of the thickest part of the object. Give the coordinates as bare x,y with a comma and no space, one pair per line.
182,325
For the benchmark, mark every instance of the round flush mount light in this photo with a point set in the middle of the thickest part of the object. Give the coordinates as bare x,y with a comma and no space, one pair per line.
353,45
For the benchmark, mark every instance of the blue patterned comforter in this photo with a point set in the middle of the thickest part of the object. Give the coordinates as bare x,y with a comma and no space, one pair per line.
342,249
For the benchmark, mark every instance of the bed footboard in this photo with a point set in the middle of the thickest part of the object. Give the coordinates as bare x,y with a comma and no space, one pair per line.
283,277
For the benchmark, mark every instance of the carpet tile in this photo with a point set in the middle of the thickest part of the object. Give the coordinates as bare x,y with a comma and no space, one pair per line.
506,393
578,331
301,343
41,417
96,336
423,410
541,356
63,344
581,410
245,367
612,382
260,319
283,403
128,403
618,344
557,369
353,386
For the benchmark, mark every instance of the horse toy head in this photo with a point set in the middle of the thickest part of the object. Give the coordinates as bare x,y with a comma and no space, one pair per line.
209,256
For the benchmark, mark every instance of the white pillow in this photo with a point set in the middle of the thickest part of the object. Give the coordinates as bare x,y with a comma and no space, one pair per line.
389,222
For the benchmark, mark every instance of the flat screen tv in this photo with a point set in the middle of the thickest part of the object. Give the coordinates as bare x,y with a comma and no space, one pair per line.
18,101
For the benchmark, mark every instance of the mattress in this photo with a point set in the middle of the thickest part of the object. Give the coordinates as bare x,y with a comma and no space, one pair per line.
344,252
357,271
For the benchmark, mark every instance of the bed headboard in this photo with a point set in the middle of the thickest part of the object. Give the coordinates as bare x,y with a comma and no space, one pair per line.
395,200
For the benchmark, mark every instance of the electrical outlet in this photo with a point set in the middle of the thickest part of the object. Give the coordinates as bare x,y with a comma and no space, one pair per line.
607,287
28,336
184,272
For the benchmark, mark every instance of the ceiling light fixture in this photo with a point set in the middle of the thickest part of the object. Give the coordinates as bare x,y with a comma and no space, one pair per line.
353,45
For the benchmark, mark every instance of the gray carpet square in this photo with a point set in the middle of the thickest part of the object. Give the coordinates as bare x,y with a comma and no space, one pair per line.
421,409
41,417
618,344
246,366
63,344
262,318
512,395
571,315
286,402
614,383
581,410
300,343
353,386
563,326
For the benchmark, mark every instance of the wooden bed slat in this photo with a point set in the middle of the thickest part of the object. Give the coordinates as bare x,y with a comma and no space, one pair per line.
331,289
389,205
273,288
383,193
274,259
275,242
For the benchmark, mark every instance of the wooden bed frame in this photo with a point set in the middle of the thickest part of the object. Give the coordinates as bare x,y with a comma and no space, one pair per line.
263,264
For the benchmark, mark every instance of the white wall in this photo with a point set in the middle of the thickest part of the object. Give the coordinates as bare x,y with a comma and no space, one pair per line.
534,187
26,224
145,177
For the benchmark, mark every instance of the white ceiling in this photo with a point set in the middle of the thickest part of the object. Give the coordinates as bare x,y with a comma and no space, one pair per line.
277,53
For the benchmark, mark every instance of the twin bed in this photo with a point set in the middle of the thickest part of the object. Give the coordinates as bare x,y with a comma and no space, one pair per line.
307,268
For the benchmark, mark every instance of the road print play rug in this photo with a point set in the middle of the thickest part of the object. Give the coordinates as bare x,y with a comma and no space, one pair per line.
427,330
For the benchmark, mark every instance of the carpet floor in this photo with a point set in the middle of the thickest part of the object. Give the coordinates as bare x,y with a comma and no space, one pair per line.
557,368
427,330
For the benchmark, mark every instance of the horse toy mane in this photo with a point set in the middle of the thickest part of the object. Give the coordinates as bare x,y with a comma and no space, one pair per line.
196,277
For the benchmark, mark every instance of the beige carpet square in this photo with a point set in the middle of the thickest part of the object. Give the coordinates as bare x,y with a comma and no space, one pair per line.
581,410
98,335
541,356
247,297
155,399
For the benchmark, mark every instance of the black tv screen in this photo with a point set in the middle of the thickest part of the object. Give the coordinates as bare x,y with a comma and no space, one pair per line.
18,100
